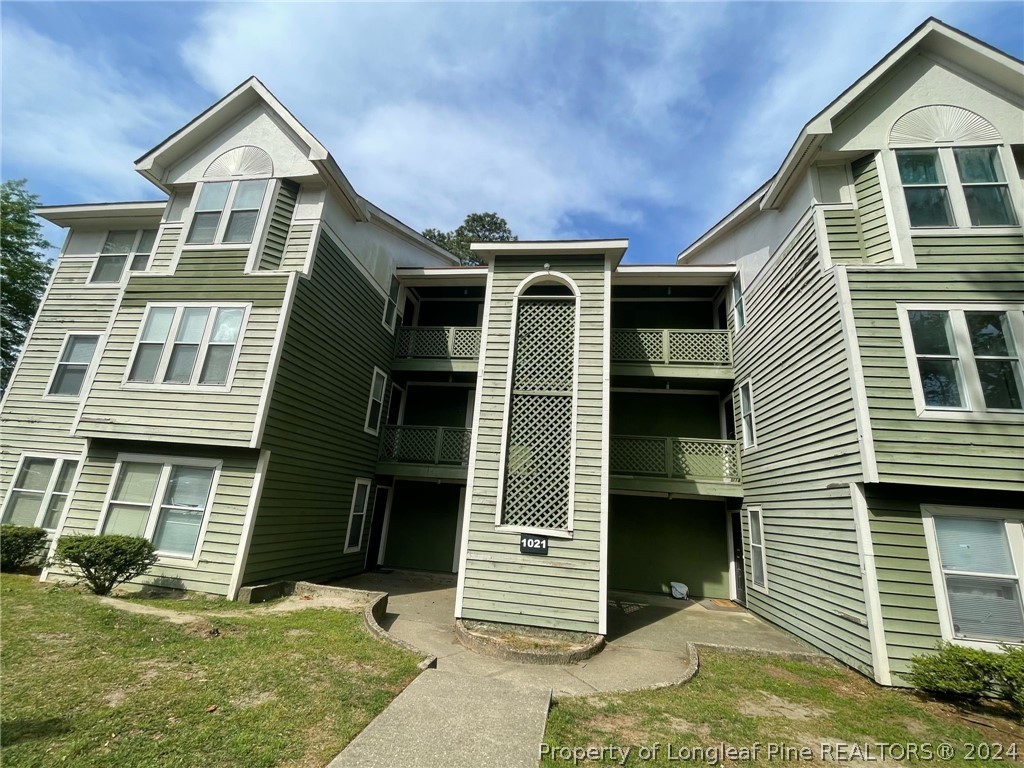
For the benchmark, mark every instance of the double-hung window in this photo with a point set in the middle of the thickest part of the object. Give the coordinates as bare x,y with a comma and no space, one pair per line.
737,303
357,516
758,570
391,305
188,345
166,502
747,415
375,406
73,364
40,492
226,212
966,358
123,248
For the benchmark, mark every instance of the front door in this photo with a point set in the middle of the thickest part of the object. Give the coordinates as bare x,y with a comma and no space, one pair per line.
737,559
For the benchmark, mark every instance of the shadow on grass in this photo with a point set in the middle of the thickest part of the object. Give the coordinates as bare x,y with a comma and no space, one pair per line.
16,731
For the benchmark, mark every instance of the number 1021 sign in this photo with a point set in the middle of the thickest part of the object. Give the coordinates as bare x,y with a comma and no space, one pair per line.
533,545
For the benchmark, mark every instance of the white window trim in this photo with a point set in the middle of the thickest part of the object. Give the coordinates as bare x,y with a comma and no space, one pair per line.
166,462
954,186
351,514
398,305
370,401
158,384
1015,536
385,524
132,253
90,370
752,445
737,303
269,196
756,508
972,385
59,459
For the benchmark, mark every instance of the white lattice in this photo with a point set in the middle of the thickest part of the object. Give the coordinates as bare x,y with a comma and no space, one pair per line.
454,446
425,445
637,456
675,458
711,347
654,345
545,335
437,342
637,346
465,342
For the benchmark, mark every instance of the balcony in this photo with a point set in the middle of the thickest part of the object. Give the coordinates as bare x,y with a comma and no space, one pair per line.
440,453
701,354
675,465
437,348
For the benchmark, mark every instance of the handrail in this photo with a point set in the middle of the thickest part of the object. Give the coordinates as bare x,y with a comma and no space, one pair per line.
438,342
672,346
425,445
676,458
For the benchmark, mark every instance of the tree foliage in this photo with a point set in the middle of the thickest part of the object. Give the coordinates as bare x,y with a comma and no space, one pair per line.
477,228
24,270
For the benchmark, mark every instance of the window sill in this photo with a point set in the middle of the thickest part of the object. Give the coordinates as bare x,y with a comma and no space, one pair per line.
216,246
983,417
553,533
758,588
984,645
962,231
192,388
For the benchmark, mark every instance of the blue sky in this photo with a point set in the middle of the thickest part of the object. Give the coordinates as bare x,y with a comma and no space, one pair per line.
640,120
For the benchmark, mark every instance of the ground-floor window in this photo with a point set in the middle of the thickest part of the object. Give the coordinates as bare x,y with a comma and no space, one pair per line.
165,500
39,491
976,559
758,568
357,516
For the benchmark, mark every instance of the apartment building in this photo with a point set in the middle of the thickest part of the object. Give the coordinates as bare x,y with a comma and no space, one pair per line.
817,411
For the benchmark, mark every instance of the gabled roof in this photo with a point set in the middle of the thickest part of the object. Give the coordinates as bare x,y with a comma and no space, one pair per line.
934,36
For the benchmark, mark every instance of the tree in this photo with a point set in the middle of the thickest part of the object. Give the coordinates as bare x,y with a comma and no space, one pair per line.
24,270
477,228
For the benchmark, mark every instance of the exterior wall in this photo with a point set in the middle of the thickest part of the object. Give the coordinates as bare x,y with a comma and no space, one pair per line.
861,235
807,452
422,527
911,449
279,225
315,423
496,582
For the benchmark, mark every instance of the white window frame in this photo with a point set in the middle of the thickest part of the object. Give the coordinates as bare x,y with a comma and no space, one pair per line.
739,314
352,514
375,430
756,509
391,309
269,195
204,345
955,188
1014,522
167,464
90,369
749,442
974,399
129,257
59,460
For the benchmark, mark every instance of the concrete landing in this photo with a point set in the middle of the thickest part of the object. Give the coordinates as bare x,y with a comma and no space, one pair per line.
445,720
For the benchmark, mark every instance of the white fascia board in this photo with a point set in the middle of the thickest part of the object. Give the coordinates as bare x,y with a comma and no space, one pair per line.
98,213
441,276
612,248
650,274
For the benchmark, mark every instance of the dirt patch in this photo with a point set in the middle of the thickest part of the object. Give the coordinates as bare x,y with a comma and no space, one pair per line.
298,633
117,697
52,638
679,727
626,728
770,705
254,699
204,629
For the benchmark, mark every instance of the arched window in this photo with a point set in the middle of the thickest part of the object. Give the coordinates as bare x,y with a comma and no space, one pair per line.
539,462
231,198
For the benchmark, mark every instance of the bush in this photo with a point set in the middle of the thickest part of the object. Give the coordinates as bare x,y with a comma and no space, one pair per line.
19,545
956,672
1010,677
106,561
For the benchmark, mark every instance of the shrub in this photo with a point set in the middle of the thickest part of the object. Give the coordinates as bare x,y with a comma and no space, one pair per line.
106,561
1010,677
19,545
956,672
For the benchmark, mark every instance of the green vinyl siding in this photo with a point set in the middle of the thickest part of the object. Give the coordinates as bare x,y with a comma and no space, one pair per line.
934,451
428,406
217,550
422,526
861,235
297,246
667,415
167,242
315,424
277,228
655,541
845,243
807,453
500,584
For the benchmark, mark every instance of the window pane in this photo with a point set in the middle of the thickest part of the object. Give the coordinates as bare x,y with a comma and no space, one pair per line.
940,383
928,207
932,332
35,474
53,511
192,325
177,531
68,380
67,474
378,386
188,487
226,325
146,241
373,420
157,324
978,165
137,482
109,269
983,607
393,290
139,263
973,544
204,228
217,364
119,242
249,194
125,520
146,360
355,531
920,166
241,225
213,196
999,383
745,399
757,565
79,349
755,528
989,331
989,206
183,360
23,508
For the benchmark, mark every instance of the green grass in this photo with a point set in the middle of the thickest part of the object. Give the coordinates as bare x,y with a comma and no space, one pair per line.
87,685
740,700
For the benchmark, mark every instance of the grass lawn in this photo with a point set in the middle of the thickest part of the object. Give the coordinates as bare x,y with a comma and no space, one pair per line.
84,684
740,700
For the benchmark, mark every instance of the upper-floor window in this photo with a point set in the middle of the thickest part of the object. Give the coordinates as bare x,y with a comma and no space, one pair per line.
226,212
123,248
188,345
391,305
966,359
747,415
39,492
737,303
73,364
375,406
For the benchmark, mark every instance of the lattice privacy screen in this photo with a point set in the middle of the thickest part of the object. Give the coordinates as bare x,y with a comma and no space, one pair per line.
538,462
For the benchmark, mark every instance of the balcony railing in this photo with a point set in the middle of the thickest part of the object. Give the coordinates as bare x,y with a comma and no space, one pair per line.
670,346
676,458
437,343
425,445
